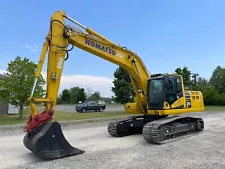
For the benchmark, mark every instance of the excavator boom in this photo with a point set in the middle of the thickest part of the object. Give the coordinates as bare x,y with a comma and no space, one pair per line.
56,44
61,36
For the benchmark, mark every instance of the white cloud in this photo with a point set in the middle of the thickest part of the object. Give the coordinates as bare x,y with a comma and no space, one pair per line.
96,83
2,71
33,48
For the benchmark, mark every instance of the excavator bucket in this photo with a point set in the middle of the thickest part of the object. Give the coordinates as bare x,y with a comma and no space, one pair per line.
48,142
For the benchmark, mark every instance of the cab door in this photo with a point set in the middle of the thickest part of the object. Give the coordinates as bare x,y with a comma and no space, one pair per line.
173,89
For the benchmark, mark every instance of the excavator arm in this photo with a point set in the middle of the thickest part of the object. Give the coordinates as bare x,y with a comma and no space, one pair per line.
57,41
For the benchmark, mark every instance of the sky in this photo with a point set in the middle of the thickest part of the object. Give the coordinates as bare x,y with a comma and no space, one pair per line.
165,34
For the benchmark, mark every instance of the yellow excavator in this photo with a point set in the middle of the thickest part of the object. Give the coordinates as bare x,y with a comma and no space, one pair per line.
155,112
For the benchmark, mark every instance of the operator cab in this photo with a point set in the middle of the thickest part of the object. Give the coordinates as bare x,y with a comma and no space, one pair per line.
164,88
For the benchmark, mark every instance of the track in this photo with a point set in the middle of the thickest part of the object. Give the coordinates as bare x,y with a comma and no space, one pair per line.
116,129
130,125
156,130
170,129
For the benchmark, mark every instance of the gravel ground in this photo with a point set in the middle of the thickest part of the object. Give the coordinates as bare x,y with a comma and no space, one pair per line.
202,151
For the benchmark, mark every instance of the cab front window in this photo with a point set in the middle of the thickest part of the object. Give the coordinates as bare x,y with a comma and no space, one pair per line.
155,93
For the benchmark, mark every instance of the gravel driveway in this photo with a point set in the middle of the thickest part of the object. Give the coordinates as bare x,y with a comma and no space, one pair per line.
202,151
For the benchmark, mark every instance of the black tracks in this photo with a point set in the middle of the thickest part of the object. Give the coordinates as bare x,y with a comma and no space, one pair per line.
126,126
171,129
155,129
117,128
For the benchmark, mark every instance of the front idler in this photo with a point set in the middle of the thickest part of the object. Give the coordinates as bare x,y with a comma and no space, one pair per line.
48,142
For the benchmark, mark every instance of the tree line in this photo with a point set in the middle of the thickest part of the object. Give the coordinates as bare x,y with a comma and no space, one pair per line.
17,84
213,89
76,94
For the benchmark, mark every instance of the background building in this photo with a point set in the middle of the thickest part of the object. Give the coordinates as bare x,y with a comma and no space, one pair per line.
5,107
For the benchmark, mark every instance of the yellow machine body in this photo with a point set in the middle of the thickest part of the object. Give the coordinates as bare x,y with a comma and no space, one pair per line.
156,96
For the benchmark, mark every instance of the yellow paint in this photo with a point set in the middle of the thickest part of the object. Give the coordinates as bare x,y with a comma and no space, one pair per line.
57,41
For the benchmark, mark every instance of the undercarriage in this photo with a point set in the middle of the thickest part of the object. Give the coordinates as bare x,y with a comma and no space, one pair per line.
156,129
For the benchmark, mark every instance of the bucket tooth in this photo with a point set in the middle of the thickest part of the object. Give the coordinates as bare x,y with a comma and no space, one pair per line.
48,142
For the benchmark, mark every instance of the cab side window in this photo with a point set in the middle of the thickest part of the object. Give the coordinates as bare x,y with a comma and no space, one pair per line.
179,87
171,85
171,96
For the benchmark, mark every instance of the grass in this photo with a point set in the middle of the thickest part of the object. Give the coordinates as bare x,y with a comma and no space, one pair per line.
215,108
59,116
66,116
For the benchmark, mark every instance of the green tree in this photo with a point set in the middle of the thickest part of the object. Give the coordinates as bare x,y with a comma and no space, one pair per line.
81,95
95,96
77,94
214,89
18,83
122,89
65,96
202,85
217,79
211,96
59,99
215,94
186,74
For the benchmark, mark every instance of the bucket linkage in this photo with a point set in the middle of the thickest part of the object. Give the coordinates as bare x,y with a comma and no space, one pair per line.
45,138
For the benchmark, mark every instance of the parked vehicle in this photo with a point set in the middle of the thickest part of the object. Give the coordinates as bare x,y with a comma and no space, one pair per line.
90,105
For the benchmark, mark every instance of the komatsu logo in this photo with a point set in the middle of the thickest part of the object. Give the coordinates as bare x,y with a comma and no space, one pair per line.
100,47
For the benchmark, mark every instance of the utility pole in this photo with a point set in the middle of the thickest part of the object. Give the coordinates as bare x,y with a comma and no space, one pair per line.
194,75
